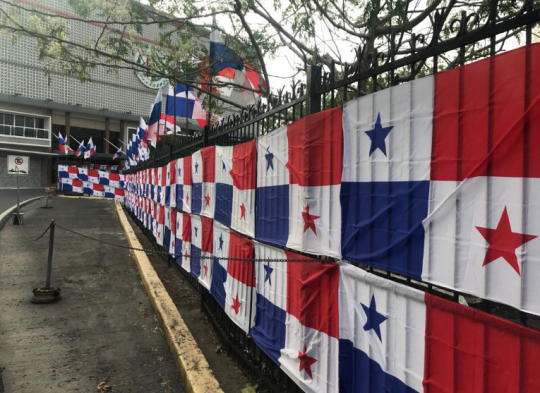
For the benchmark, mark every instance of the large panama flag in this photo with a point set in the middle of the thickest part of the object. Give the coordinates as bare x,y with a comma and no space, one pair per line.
297,317
298,183
202,234
235,187
394,338
441,179
233,280
183,184
182,245
203,172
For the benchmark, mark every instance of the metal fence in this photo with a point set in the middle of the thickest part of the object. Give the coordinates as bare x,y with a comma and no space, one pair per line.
449,37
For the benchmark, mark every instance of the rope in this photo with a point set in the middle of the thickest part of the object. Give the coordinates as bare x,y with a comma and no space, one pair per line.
180,255
36,239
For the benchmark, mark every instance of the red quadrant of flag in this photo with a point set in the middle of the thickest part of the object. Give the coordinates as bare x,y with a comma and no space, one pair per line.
458,341
312,293
480,114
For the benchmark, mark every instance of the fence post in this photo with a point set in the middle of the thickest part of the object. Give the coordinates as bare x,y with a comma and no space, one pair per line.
313,82
206,131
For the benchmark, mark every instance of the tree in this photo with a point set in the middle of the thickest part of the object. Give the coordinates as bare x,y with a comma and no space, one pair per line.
256,29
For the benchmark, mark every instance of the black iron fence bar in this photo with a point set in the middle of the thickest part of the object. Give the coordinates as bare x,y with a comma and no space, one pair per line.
257,119
436,47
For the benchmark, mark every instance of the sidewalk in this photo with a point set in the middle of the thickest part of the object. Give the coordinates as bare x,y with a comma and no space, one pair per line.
104,328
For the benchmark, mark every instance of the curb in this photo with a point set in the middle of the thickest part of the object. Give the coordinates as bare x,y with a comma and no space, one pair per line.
190,361
84,197
4,217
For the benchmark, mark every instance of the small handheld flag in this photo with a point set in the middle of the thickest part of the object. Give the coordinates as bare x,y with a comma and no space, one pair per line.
62,144
90,149
118,154
80,149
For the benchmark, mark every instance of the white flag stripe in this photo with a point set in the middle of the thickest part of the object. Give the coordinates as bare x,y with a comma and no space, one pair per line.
400,350
497,280
408,109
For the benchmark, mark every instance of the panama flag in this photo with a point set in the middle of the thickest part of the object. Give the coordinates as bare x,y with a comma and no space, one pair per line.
298,184
203,167
182,246
235,187
90,149
103,177
186,103
153,120
63,145
221,56
114,179
72,185
87,188
118,154
202,231
167,222
183,184
119,195
93,176
156,180
159,220
170,184
297,317
233,280
80,149
141,130
97,190
394,338
172,233
108,191
440,179
83,174
162,181
68,171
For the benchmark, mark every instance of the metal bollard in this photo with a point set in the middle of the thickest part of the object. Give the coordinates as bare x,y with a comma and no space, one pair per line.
48,294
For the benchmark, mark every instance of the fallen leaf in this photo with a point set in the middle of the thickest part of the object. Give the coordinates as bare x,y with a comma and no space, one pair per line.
103,387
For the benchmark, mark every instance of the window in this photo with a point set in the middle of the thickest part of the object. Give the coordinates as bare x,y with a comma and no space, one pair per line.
23,126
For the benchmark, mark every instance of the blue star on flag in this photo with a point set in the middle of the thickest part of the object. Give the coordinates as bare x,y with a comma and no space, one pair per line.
223,163
378,135
221,241
196,229
267,272
374,318
269,159
196,167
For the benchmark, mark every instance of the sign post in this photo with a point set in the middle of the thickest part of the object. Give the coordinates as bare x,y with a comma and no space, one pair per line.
18,165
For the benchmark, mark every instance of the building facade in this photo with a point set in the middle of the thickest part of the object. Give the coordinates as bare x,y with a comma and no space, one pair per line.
33,111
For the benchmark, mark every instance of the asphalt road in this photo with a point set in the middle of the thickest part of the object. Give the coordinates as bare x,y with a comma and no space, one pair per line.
104,328
8,198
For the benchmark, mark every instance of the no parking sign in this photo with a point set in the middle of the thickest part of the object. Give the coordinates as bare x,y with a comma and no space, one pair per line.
18,165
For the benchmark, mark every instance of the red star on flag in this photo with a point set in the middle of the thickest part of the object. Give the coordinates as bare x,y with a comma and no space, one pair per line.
205,270
242,211
187,198
207,199
306,362
309,220
503,242
186,255
236,305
